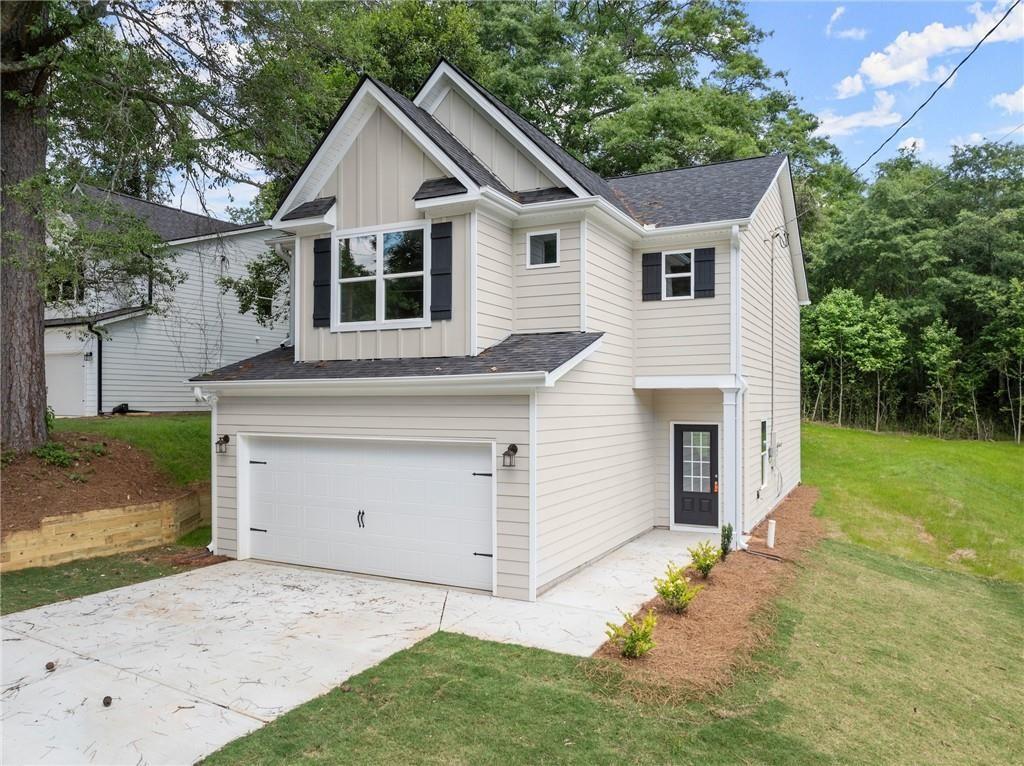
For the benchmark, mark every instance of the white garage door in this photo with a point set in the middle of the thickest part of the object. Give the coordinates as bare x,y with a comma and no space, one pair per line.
413,510
65,384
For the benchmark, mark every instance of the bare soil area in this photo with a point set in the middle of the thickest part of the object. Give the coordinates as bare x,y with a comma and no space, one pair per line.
104,473
702,648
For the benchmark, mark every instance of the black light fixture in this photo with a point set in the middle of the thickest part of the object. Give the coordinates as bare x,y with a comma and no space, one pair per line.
508,457
222,444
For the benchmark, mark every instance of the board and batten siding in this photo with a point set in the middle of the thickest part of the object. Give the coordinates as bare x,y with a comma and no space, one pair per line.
756,335
684,337
547,299
502,419
495,303
147,359
594,446
701,406
490,145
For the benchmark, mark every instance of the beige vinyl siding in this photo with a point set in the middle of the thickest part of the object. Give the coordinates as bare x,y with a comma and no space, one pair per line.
494,297
699,406
490,145
378,175
502,419
441,338
684,337
548,299
594,445
756,360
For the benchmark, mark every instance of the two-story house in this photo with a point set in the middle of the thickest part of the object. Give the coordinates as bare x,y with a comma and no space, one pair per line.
504,365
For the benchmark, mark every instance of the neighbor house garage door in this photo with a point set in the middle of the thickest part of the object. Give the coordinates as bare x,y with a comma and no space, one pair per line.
414,510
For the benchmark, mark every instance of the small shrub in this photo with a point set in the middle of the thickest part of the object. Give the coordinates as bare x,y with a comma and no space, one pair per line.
7,457
704,556
78,478
51,418
96,449
636,637
675,589
55,453
726,540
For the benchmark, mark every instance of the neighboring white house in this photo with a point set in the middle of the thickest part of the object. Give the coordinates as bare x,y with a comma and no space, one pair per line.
103,354
504,365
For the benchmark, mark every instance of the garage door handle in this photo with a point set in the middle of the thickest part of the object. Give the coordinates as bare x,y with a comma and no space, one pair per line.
482,474
485,555
256,529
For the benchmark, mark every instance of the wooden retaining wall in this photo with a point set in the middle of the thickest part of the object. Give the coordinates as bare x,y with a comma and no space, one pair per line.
89,534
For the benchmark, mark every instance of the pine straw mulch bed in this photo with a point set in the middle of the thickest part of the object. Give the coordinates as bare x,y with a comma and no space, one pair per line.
700,650
107,473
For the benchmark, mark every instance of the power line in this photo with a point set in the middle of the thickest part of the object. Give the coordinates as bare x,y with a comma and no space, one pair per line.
938,88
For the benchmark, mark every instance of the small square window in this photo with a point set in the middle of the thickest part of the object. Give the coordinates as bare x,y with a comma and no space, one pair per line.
677,275
543,249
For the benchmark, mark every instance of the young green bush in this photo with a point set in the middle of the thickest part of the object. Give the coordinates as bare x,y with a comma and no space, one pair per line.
675,589
98,449
636,637
704,556
56,454
726,540
51,418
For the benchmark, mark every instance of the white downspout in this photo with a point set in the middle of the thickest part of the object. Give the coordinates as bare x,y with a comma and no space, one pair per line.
736,365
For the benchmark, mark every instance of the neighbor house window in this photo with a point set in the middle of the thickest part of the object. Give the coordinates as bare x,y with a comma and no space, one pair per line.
677,275
764,452
381,278
541,249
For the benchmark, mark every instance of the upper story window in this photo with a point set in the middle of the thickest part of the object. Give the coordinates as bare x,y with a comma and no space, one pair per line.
541,249
677,275
381,278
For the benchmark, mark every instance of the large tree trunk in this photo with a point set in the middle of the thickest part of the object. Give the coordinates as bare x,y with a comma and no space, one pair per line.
22,159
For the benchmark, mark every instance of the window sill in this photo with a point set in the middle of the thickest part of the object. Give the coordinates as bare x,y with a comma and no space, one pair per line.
554,265
394,324
679,298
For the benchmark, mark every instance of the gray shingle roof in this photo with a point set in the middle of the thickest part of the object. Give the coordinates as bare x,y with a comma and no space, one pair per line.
450,145
579,172
439,187
544,195
167,222
719,192
534,352
314,207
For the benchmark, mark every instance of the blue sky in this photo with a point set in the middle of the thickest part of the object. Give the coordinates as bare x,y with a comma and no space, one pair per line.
863,67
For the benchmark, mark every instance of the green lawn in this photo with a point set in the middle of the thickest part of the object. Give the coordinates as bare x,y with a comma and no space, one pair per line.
180,444
878,656
28,588
956,505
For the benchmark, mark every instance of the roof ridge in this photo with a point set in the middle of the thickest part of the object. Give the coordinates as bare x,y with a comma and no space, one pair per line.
160,204
696,167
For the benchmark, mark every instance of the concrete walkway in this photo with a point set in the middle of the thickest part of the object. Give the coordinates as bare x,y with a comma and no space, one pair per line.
192,661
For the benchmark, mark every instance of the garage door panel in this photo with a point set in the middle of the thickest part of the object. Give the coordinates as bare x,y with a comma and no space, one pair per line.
424,513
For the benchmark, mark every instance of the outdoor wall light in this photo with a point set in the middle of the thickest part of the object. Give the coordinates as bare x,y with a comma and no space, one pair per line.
222,444
508,457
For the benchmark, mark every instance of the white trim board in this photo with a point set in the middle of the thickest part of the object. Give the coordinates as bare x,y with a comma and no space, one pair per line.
725,381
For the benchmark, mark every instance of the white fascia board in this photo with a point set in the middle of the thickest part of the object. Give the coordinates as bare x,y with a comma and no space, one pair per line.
796,251
553,377
356,112
310,225
722,382
217,235
444,77
503,382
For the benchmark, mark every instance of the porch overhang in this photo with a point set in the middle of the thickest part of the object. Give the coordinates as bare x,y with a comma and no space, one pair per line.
725,382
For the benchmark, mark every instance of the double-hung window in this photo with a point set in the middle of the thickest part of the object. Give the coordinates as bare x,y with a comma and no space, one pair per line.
677,275
382,278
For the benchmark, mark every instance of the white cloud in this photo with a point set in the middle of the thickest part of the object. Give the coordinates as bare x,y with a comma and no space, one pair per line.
836,15
969,140
879,116
852,33
908,57
913,144
850,86
1010,102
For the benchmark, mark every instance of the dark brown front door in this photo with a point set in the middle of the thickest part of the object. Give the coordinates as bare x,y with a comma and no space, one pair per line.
695,475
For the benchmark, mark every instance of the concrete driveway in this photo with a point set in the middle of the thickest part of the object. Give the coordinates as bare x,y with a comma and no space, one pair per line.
192,661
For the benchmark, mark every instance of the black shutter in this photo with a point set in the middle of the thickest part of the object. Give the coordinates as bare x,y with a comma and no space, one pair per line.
704,272
652,277
441,271
322,282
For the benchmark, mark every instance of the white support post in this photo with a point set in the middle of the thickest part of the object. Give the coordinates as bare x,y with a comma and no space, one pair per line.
730,462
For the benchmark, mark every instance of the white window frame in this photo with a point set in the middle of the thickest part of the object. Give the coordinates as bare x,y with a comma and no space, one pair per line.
380,323
558,249
665,276
764,436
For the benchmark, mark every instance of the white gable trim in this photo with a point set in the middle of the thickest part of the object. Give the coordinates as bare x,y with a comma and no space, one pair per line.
445,78
344,133
784,179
